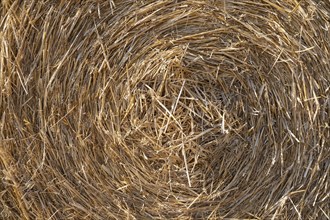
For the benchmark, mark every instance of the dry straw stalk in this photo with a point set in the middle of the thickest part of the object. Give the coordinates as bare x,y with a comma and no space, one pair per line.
164,109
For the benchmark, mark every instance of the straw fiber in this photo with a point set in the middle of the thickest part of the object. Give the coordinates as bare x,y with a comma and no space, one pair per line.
164,109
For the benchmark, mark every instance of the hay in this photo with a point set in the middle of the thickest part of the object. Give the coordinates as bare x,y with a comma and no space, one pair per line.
164,109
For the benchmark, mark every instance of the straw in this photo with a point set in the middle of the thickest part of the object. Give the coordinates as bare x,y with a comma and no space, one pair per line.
164,109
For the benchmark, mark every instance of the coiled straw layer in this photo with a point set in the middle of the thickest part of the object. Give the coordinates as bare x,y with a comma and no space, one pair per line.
164,109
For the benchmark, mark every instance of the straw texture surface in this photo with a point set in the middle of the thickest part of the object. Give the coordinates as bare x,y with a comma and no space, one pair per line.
164,109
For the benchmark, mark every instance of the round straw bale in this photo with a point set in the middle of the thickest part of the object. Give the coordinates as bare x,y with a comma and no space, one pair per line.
164,109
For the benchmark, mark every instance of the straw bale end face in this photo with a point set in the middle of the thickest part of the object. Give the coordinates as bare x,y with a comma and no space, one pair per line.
164,109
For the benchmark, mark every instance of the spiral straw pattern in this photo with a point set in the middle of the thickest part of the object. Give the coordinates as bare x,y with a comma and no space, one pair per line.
165,109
